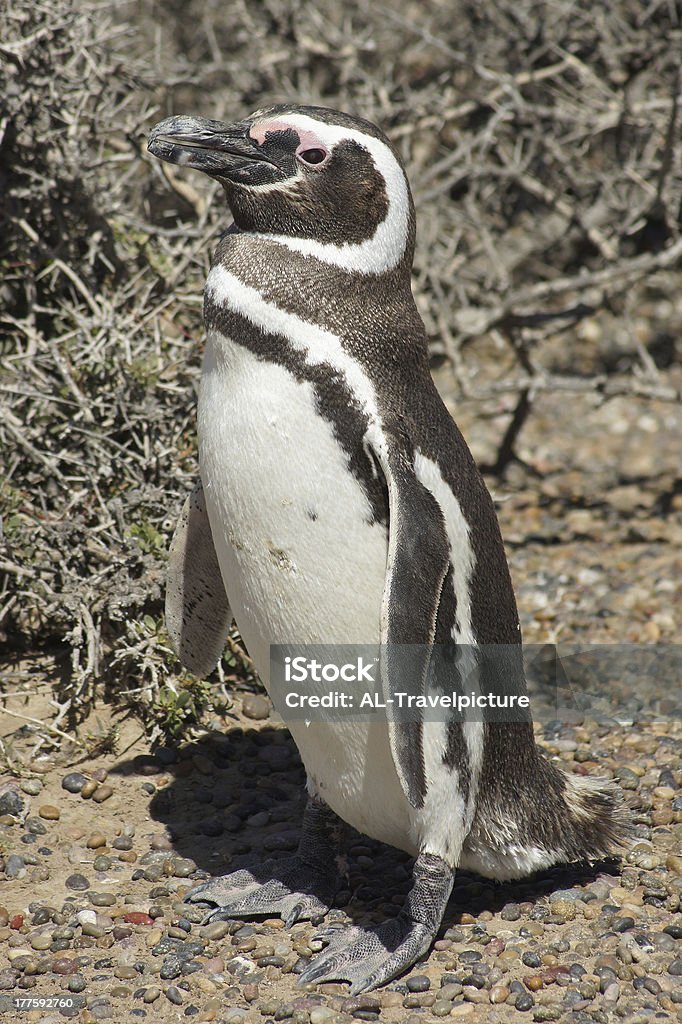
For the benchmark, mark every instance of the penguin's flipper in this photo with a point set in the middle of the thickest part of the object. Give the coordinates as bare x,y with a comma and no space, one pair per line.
418,563
198,613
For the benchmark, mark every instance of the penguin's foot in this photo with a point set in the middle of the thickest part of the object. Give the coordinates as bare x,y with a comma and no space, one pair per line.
369,958
297,888
290,888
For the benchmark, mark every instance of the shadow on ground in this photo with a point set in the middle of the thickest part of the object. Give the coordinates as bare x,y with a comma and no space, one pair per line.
236,800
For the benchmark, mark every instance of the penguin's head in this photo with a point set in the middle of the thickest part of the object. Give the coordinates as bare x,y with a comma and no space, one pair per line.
301,173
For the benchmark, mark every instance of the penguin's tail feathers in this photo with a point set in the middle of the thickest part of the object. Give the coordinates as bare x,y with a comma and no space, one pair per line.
556,818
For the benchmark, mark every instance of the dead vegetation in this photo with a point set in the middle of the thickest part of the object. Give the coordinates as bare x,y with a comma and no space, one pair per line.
543,144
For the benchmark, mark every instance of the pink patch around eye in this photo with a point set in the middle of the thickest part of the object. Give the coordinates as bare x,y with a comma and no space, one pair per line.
308,139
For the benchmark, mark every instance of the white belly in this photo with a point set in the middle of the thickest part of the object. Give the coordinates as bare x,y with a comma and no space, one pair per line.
300,559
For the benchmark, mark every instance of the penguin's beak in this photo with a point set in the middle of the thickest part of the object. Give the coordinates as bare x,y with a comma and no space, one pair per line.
220,150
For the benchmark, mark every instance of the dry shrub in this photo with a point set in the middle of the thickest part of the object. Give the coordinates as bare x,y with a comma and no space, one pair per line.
542,141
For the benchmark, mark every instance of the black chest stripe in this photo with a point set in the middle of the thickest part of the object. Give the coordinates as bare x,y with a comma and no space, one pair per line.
335,402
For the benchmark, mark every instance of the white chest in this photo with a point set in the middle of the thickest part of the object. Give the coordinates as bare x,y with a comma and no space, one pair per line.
300,560
292,526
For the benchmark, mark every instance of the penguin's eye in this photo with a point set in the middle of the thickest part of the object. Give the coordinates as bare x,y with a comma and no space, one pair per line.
314,155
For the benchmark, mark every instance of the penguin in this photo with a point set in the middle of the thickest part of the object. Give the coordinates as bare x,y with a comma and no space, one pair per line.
338,503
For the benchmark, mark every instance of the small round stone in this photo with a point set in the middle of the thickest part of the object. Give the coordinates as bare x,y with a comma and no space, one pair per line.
15,866
95,841
499,993
461,1010
151,994
622,924
64,965
441,1008
102,899
36,827
184,867
174,995
93,930
77,882
215,930
548,1013
524,1001
322,1014
76,983
49,812
418,983
31,786
11,801
675,968
256,707
124,973
8,978
88,789
74,782
101,794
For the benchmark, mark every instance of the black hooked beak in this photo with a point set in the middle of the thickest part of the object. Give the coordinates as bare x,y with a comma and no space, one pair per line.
219,150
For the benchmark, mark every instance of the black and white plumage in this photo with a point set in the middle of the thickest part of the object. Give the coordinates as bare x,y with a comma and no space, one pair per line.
340,504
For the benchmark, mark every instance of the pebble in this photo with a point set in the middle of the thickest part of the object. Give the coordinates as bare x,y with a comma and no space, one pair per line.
256,707
547,1013
622,924
461,1010
95,841
174,995
441,1008
101,794
74,782
137,917
102,899
64,965
418,983
15,866
524,1001
49,812
320,1014
499,994
31,786
11,800
77,882
184,867
390,998
88,788
151,994
215,930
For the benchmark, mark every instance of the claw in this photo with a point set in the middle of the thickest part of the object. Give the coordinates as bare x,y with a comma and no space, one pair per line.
289,888
367,959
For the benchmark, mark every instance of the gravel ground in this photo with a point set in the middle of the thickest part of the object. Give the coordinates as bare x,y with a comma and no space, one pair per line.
98,854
